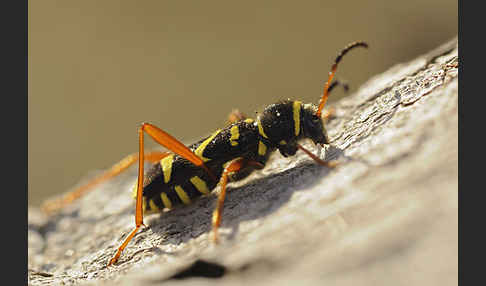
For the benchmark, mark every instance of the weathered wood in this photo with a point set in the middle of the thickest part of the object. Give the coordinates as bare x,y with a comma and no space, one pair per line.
387,215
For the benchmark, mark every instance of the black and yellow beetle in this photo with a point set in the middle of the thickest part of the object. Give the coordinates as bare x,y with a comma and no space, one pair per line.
187,172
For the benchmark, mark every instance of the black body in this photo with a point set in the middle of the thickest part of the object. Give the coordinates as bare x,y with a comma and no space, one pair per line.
280,126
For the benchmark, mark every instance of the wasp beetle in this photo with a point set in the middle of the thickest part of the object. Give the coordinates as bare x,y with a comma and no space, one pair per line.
184,173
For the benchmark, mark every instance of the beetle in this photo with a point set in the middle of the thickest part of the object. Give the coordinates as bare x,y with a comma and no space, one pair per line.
184,173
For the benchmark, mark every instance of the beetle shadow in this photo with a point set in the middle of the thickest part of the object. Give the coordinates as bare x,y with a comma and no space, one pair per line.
255,197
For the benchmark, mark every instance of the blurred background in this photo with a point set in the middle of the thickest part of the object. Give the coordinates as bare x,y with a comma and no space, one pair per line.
97,69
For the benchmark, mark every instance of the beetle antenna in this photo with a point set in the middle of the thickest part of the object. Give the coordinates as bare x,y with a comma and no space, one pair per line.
333,71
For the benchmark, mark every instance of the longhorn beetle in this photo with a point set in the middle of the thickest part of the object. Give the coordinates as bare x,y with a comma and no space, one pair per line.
187,172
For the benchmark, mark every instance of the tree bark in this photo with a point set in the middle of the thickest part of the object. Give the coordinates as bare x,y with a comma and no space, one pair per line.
386,215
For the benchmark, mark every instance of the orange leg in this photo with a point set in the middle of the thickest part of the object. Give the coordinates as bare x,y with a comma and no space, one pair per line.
166,140
169,142
234,166
330,164
55,205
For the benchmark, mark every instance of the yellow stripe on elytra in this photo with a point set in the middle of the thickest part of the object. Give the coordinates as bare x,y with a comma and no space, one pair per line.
249,120
260,128
166,200
199,151
182,195
200,185
153,207
235,134
166,164
297,107
262,148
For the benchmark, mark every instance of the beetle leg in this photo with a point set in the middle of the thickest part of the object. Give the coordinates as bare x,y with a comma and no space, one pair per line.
231,167
54,205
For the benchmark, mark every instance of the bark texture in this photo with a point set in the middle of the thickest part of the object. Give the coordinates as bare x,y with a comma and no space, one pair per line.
387,215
